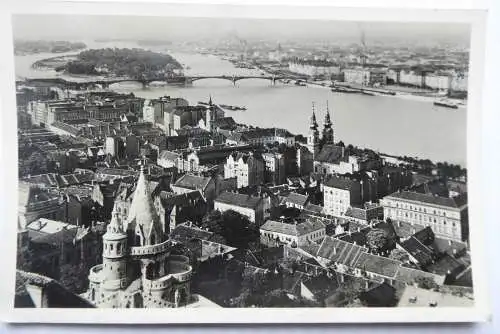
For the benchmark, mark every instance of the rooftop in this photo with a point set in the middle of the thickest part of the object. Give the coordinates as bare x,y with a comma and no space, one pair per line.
296,198
240,200
455,202
193,182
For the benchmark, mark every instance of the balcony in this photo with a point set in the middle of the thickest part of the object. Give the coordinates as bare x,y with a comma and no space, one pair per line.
150,249
95,273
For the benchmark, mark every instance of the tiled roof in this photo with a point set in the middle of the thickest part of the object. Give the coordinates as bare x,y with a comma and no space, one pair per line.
193,182
408,275
455,202
423,254
378,265
296,198
240,200
56,296
168,155
185,232
180,199
339,251
279,227
309,226
340,183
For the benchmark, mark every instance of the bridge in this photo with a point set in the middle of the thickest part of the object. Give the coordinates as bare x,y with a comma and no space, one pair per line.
185,80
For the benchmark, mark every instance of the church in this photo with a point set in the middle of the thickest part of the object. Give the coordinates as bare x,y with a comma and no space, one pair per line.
138,269
322,156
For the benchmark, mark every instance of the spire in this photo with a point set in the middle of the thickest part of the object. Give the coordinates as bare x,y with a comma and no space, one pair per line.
314,124
328,121
210,100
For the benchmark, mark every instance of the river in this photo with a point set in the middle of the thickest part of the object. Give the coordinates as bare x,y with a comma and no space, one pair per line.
392,125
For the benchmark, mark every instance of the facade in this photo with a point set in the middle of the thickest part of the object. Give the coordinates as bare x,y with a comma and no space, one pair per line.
273,233
314,68
247,168
339,193
188,183
138,270
447,217
35,202
274,167
365,76
268,136
250,206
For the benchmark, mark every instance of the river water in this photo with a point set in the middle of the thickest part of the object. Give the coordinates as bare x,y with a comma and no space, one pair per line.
393,125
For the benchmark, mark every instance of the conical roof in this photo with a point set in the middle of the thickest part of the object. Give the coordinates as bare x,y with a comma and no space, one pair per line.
142,209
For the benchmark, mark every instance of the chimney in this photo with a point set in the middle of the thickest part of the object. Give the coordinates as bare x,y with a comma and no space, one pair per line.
38,295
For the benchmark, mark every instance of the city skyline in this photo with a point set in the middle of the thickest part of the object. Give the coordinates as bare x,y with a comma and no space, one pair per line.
175,29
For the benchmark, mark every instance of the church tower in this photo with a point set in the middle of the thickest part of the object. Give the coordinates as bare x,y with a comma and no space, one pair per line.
114,254
313,137
328,128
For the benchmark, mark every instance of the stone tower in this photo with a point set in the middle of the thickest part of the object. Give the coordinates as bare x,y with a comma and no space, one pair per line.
328,137
313,137
114,255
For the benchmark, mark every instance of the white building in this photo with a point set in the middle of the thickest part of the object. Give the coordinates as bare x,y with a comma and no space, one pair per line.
310,231
275,167
448,217
314,68
248,170
339,194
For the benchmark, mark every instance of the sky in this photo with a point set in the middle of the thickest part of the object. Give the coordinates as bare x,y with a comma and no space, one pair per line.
175,28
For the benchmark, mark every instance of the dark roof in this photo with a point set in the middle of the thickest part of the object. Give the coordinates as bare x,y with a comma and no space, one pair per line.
382,295
193,182
296,198
186,232
184,200
56,295
378,265
446,265
240,200
330,153
340,183
423,254
225,123
340,251
455,202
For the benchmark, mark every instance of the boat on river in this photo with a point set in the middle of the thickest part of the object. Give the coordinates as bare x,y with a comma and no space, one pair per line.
446,103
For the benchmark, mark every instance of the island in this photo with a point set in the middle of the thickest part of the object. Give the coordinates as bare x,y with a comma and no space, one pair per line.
131,63
25,47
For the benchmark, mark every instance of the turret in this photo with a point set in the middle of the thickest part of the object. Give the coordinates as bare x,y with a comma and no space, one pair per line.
115,250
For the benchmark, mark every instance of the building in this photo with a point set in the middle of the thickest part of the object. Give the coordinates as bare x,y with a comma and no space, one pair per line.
274,167
314,68
160,112
295,200
35,202
54,244
267,136
273,233
249,206
38,291
247,168
340,193
188,183
365,76
364,214
448,217
138,270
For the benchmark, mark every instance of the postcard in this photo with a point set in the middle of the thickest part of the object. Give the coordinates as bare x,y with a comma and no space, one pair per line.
218,163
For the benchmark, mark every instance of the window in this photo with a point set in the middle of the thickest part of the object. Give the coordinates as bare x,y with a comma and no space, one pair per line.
110,246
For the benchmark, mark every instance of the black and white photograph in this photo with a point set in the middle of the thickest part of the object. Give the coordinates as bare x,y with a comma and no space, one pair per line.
226,162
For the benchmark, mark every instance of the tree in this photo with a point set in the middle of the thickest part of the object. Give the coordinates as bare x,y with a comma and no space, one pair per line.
425,282
74,276
399,255
378,240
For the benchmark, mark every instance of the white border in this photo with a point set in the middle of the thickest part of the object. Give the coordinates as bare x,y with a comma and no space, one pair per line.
480,312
